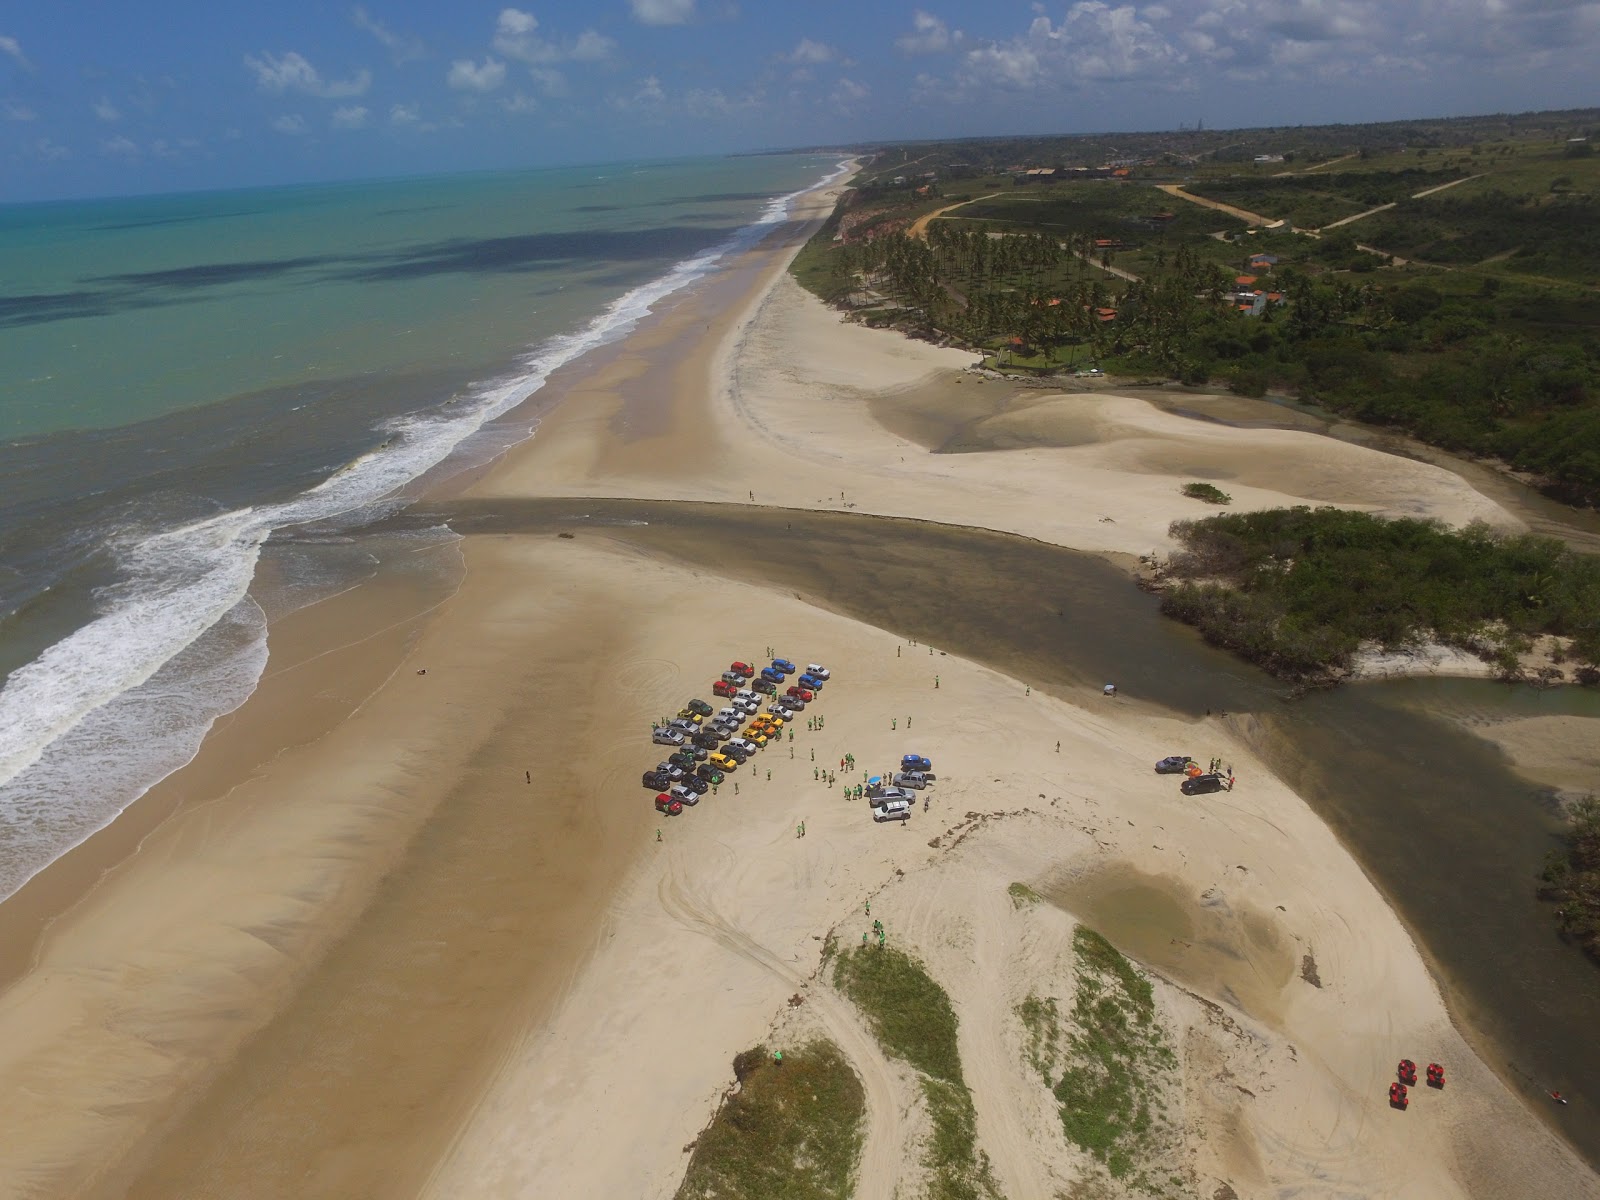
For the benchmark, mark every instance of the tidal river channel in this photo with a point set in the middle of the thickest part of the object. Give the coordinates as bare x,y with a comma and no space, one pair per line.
1433,814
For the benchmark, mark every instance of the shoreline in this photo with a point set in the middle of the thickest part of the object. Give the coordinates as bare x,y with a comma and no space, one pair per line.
647,935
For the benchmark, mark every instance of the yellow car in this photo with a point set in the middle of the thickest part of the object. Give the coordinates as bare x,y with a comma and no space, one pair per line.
722,762
689,714
772,719
758,736
764,722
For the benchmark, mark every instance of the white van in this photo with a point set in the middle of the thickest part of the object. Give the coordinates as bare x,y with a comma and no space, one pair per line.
892,810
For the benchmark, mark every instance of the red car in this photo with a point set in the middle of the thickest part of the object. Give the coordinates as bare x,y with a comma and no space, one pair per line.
801,693
723,688
1397,1096
743,669
666,804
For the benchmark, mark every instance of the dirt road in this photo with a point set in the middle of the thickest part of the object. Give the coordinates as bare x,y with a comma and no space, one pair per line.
1244,214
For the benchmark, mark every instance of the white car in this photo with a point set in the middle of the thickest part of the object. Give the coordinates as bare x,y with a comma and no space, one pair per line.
895,810
878,797
782,711
747,747
684,795
666,737
747,706
746,696
817,669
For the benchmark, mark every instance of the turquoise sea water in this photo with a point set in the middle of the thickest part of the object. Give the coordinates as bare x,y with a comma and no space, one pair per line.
183,376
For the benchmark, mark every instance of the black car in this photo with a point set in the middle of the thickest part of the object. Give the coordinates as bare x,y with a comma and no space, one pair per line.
709,773
766,687
682,758
696,785
738,753
1201,784
699,706
656,781
706,740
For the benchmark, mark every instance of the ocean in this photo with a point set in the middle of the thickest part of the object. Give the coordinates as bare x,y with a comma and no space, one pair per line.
184,377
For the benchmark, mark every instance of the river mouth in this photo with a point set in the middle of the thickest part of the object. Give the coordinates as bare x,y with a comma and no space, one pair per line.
1435,816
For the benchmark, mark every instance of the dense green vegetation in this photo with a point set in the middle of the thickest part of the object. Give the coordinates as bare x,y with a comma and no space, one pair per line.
1469,317
1299,590
793,1131
1572,879
1209,492
911,1016
1105,1062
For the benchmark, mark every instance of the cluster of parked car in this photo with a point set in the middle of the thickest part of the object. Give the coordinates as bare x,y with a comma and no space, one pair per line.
1196,782
708,744
893,801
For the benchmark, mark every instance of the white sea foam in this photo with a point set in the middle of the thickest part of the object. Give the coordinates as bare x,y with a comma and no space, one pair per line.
125,699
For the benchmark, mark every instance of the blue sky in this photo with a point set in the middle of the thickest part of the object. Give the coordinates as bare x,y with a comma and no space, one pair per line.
112,98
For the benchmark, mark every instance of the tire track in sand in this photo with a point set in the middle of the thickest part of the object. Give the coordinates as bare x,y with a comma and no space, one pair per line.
882,1146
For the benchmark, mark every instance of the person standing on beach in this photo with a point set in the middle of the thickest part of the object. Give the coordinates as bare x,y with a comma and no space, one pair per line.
936,683
1058,747
658,835
894,722
528,775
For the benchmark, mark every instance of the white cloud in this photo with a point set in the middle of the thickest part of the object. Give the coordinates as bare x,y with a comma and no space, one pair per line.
13,110
293,72
662,12
51,151
292,124
106,111
649,92
349,116
520,102
516,35
929,35
12,48
550,81
402,48
847,93
591,47
810,53
404,114
467,76
1094,43
120,147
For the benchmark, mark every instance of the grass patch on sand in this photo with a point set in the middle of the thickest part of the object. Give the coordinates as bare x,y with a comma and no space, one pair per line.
792,1132
1021,894
1209,492
911,1016
1105,1063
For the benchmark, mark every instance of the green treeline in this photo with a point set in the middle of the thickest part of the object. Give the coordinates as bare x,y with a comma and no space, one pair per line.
1572,879
1299,590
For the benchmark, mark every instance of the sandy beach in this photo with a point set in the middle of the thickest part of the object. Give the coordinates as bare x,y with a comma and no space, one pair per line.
405,926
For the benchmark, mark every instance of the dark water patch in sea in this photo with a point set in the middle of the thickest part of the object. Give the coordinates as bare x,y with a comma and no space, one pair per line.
1451,835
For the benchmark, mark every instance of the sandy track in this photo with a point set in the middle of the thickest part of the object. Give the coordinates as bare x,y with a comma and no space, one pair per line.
919,227
1244,214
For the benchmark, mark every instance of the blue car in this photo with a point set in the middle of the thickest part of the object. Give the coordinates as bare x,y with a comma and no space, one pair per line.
810,682
784,665
915,762
772,674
